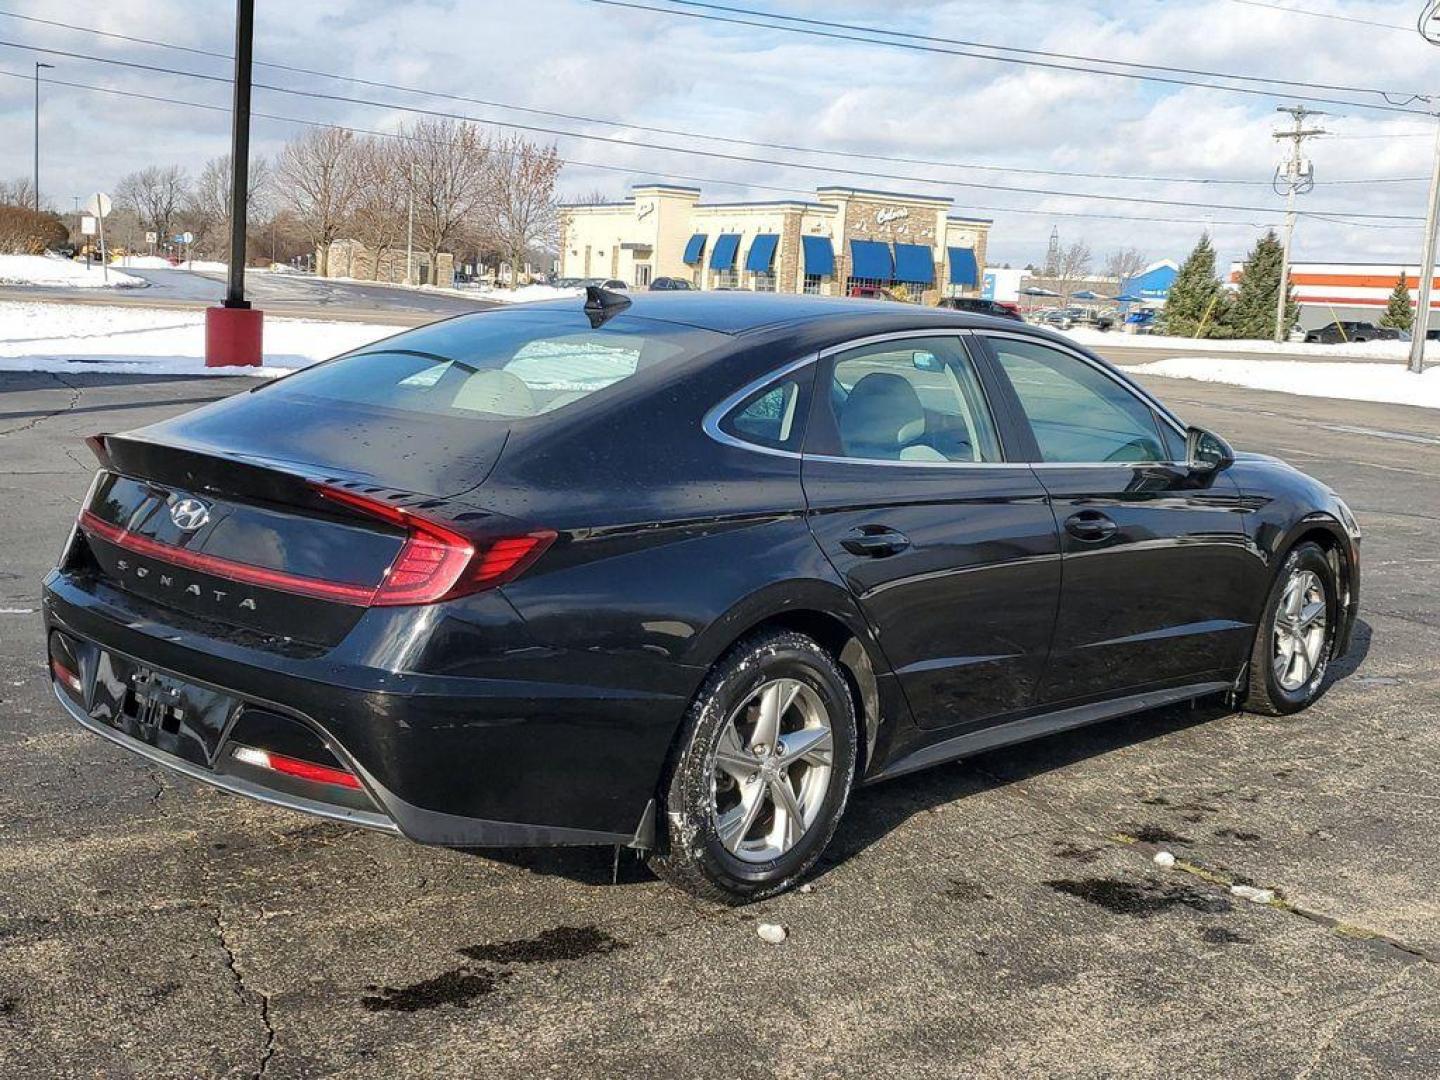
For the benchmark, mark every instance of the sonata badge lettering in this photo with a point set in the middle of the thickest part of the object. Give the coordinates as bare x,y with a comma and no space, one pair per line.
166,580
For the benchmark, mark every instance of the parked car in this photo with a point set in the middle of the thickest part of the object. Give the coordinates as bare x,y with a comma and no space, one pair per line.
670,284
872,292
612,284
977,306
1062,318
567,283
1143,321
1342,330
619,571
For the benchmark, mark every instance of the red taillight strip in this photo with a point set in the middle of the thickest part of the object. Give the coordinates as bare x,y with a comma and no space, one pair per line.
336,592
289,766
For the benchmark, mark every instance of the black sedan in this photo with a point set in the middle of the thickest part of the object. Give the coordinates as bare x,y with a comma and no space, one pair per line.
676,571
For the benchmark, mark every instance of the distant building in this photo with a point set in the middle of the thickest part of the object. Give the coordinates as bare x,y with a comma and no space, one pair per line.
1153,284
1330,292
847,239
352,259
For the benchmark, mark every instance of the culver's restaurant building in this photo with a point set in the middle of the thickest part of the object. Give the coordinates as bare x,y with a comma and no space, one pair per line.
847,238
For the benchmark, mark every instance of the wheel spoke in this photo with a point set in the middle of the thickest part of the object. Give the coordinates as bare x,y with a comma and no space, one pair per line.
812,744
732,756
775,701
736,822
783,796
1294,597
1310,613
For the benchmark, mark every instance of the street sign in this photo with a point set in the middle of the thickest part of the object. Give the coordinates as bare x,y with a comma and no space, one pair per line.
87,226
151,237
187,238
98,205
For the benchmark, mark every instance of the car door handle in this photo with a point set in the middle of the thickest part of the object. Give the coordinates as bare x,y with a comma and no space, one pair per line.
875,541
1090,526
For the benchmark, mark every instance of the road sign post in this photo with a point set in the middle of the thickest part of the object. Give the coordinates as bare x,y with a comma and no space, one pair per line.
98,207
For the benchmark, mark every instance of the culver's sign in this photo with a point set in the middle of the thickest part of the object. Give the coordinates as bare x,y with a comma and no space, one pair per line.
891,213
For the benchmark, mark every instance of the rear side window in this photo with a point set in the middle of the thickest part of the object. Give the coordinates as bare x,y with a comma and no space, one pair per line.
510,365
914,400
771,417
1079,415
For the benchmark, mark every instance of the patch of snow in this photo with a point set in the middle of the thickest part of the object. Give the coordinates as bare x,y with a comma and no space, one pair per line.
54,271
525,294
1254,895
80,338
1356,381
1164,859
1370,350
774,933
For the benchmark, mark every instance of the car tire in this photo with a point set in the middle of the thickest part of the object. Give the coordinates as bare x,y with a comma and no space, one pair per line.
724,832
1296,635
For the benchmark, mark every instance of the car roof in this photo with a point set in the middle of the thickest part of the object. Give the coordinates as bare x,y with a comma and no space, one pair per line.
745,312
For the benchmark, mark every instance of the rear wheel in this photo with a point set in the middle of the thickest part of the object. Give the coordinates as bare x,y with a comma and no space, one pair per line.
762,773
1292,647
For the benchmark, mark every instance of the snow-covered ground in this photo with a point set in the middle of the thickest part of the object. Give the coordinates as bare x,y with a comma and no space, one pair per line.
1354,381
523,295
60,337
53,271
1368,350
156,262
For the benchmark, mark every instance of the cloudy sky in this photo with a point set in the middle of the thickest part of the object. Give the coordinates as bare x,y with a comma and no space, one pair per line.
621,66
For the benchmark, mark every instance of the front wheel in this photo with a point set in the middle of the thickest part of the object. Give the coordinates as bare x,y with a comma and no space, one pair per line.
762,771
1297,631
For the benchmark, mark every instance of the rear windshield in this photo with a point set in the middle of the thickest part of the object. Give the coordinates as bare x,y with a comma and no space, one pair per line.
509,364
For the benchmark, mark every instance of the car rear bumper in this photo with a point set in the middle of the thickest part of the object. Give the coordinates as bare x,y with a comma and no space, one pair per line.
460,762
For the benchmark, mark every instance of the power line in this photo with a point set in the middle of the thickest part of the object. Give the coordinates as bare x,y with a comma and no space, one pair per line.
1325,15
1026,57
632,171
579,118
690,151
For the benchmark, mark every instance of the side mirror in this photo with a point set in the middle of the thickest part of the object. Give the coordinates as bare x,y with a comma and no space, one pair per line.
927,361
1206,452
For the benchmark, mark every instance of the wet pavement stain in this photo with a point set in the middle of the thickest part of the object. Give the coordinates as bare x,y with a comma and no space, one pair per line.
1155,834
458,987
966,892
1218,935
1140,901
561,943
1076,853
1238,834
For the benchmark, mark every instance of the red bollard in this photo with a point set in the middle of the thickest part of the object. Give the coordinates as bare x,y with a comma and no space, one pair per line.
233,337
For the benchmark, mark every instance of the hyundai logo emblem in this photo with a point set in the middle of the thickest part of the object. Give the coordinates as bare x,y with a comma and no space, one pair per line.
189,514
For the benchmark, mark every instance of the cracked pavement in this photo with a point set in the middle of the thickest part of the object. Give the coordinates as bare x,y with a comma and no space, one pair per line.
998,917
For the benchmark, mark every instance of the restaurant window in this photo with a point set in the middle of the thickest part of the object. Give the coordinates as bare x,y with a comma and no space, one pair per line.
763,282
727,279
642,274
812,285
866,284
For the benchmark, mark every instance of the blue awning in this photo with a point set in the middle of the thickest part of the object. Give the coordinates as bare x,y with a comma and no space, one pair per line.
963,270
722,255
695,249
870,259
819,256
914,264
762,253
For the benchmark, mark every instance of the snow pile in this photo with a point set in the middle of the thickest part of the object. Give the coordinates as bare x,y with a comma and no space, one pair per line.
143,262
1358,381
81,338
525,294
52,271
1369,350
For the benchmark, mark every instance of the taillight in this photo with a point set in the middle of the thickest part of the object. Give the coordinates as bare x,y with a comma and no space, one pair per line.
437,562
65,677
296,767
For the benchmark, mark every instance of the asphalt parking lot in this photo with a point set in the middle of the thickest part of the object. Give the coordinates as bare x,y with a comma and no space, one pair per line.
997,917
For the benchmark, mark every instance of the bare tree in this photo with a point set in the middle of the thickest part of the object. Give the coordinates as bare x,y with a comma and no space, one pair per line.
1072,267
593,197
208,210
315,174
19,192
156,195
448,163
1124,264
522,198
381,203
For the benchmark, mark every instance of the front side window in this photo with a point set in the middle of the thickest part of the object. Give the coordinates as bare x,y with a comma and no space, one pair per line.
1078,414
913,400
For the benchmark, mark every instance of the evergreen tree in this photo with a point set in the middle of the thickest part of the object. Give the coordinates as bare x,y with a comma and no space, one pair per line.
1252,315
1197,305
1399,313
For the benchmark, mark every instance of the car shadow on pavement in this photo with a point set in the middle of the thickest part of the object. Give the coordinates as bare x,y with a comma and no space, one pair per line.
875,812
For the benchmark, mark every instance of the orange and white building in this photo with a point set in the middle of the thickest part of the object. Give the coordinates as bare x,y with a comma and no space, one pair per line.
1330,291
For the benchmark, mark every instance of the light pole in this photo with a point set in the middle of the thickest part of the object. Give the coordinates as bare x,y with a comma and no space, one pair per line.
1429,27
38,66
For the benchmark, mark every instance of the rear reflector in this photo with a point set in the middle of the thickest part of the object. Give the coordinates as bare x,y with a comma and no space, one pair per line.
65,677
289,766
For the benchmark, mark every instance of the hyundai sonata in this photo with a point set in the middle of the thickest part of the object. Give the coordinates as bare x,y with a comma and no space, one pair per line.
676,571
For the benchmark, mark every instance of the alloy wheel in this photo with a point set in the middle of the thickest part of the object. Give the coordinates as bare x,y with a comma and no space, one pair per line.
772,770
1299,632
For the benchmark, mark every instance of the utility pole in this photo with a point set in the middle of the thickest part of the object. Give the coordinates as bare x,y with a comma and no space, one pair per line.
1295,176
38,66
410,232
1421,323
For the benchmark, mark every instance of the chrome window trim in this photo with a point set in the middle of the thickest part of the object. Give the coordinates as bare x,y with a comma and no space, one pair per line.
711,422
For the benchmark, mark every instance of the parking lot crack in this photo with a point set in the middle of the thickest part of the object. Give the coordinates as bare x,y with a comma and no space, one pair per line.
244,992
75,392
